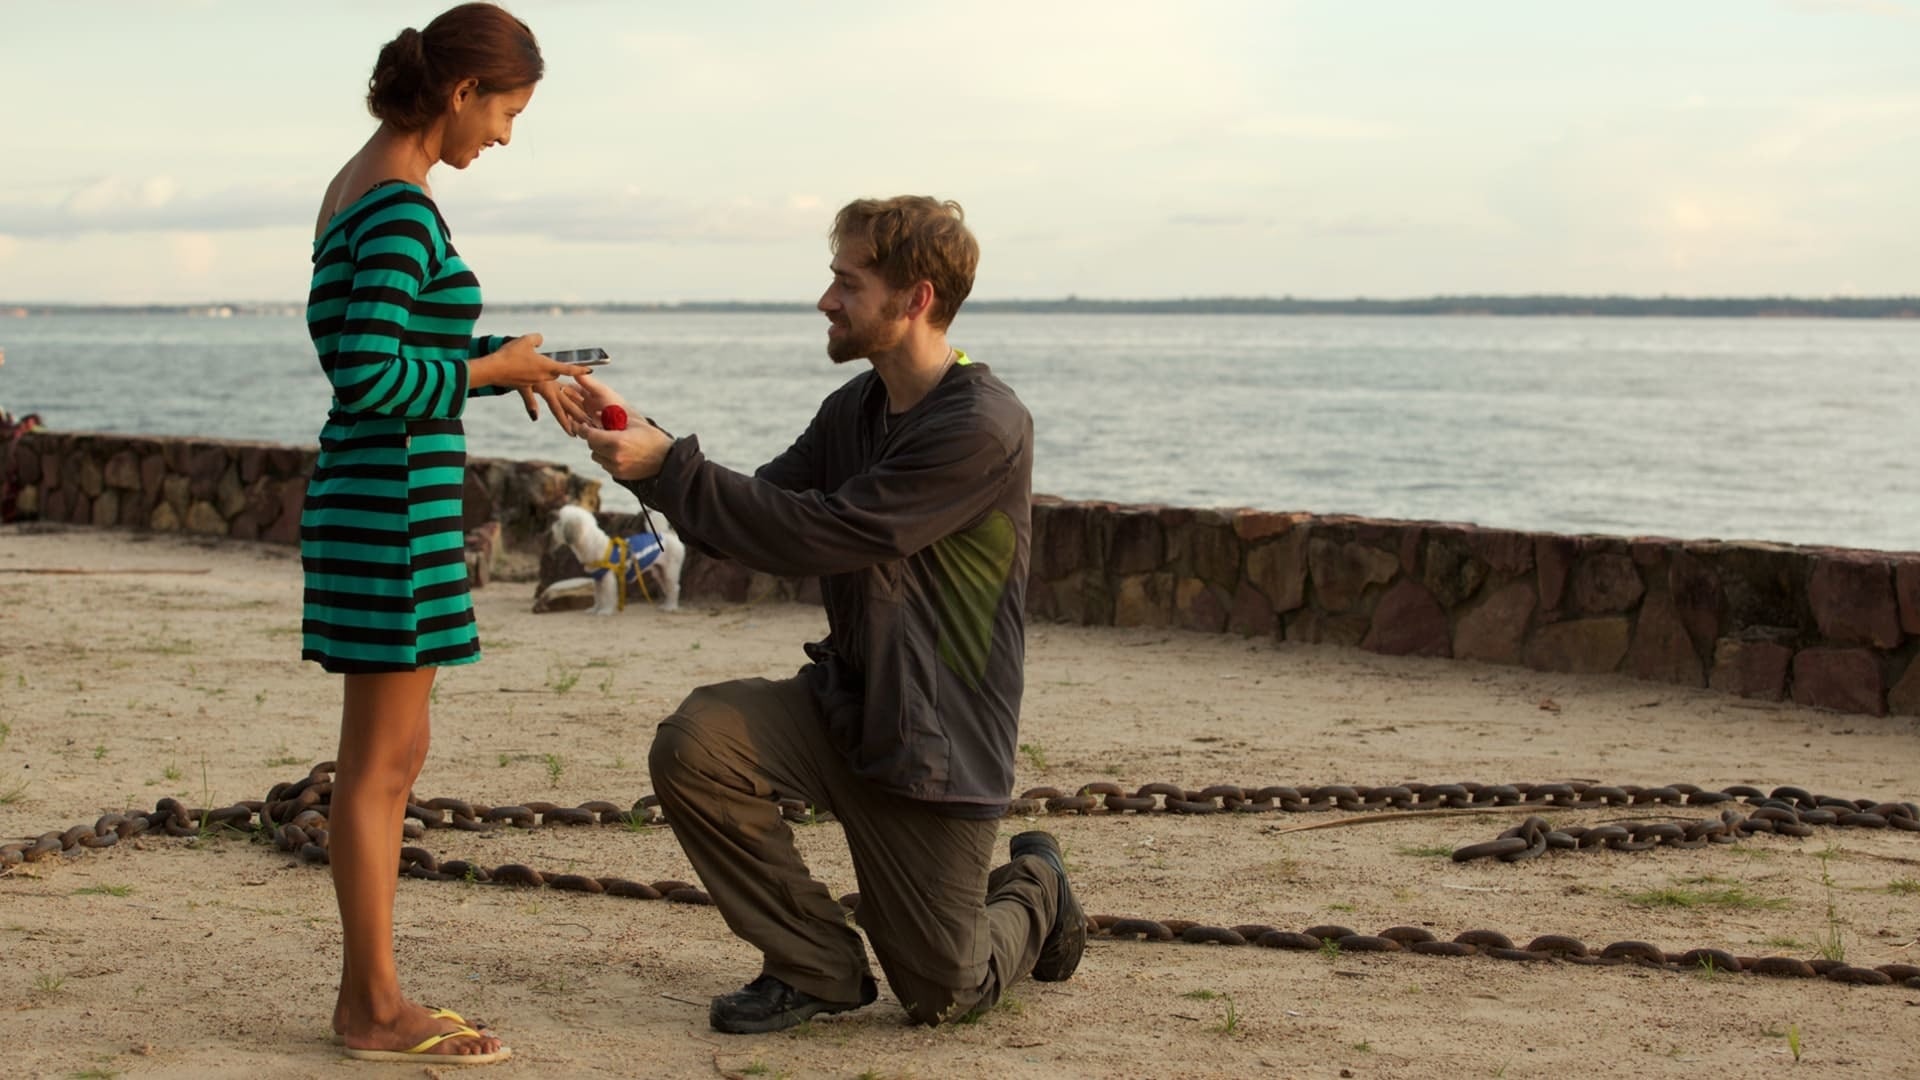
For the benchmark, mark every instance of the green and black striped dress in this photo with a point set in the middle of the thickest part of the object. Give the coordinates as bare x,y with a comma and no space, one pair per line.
391,312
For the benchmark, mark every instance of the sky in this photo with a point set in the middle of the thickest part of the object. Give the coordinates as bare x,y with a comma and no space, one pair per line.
176,151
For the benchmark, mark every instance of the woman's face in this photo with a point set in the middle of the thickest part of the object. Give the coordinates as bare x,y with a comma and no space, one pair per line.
476,121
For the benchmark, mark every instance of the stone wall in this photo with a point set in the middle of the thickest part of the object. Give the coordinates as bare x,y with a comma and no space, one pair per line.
1827,627
254,491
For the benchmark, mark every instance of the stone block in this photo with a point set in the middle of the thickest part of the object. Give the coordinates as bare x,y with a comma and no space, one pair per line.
1695,589
1494,631
1845,680
93,479
1853,600
1252,614
1751,669
163,519
1554,556
53,504
1904,698
176,490
1310,627
1906,589
1651,553
252,463
135,510
1138,545
79,507
1452,573
1343,572
230,497
205,466
1409,543
122,471
53,471
1579,647
1084,598
1408,621
263,501
1255,525
1200,605
1662,650
26,461
1203,546
1059,539
285,528
106,509
1144,600
1762,584
1506,553
476,501
204,519
244,526
1605,584
153,469
27,502
1278,568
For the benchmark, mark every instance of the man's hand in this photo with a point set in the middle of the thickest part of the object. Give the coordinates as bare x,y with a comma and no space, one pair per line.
634,454
581,403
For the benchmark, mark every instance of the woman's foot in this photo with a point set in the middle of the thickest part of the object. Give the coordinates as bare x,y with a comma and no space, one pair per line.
415,1031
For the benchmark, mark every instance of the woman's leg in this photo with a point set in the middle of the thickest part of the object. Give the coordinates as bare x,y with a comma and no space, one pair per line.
383,743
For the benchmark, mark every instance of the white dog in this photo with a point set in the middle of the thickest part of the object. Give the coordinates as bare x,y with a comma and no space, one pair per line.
615,565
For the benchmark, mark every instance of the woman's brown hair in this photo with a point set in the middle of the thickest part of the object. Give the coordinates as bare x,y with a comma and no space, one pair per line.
417,69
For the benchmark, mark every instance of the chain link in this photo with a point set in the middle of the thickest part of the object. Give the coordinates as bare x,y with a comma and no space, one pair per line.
294,816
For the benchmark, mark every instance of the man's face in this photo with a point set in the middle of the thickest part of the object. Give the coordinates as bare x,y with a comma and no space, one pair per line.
864,317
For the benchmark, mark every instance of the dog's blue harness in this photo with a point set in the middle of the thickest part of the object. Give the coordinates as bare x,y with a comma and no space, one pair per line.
628,555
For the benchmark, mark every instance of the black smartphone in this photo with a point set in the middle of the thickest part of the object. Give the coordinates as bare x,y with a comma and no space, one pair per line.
590,357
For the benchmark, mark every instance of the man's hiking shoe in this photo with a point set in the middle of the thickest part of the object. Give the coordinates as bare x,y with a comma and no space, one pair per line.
767,1004
1060,952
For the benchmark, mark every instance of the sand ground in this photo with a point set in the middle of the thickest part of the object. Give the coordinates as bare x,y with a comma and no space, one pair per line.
217,957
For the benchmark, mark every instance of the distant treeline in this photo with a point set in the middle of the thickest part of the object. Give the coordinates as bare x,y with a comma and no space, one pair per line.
1887,307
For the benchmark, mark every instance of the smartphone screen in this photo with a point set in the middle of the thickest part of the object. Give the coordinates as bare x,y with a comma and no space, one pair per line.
593,357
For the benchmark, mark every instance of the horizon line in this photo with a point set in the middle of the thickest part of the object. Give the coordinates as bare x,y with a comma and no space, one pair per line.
1069,300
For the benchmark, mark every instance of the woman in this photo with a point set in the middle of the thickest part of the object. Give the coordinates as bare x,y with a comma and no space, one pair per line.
391,312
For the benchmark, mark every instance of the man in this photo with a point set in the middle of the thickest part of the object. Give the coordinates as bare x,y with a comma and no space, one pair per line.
909,495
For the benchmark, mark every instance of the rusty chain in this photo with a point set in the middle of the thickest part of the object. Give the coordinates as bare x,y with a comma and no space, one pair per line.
1546,948
294,814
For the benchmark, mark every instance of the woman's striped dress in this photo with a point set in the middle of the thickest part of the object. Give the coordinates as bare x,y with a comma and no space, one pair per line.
391,312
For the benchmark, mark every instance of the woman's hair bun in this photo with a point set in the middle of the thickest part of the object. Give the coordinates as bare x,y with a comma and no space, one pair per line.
417,69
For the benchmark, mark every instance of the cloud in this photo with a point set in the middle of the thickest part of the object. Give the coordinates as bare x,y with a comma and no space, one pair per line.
1886,9
634,215
157,204
149,204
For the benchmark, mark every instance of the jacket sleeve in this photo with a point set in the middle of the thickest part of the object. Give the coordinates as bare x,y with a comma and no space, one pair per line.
941,479
393,252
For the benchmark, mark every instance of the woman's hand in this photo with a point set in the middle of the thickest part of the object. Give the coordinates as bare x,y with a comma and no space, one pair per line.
551,392
583,402
519,364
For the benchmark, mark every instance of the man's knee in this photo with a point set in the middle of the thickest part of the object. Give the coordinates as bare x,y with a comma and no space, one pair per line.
932,1004
678,751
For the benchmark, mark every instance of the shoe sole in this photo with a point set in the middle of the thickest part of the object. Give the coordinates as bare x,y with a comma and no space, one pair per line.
778,1021
1072,920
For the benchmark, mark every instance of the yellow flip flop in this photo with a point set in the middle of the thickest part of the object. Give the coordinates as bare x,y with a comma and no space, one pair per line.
437,1014
425,1047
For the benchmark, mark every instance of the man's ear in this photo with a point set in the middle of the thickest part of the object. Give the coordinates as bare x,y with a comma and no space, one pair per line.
919,298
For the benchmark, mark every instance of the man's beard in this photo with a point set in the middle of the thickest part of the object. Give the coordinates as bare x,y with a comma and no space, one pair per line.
860,342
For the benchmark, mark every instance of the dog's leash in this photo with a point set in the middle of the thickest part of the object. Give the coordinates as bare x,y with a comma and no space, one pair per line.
620,551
